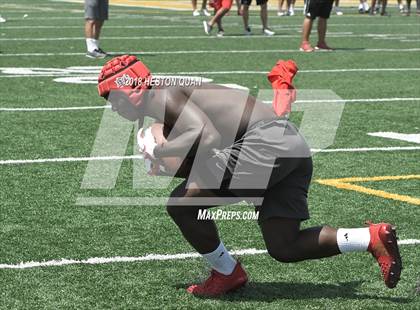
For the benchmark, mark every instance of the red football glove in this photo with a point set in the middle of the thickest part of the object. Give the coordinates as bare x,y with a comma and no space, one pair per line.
281,78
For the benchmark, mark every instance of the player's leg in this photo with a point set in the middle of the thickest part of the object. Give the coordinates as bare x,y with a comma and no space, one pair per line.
291,7
204,8
383,11
245,16
280,8
287,243
322,31
223,8
264,18
305,46
203,236
323,16
96,12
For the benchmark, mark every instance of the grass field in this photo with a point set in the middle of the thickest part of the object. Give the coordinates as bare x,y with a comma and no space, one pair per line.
376,66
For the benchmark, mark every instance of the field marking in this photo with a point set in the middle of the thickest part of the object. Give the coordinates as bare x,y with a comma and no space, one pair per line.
60,109
145,258
54,109
206,37
92,72
414,137
102,158
198,26
226,52
346,183
66,159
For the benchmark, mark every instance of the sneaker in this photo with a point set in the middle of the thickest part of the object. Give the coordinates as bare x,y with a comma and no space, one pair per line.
306,47
385,14
196,13
401,7
268,32
281,13
323,47
366,7
291,12
2,19
220,33
206,13
384,248
218,284
207,27
248,31
97,53
338,11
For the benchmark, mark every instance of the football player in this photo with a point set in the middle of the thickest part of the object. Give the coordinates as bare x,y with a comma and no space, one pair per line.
237,147
221,8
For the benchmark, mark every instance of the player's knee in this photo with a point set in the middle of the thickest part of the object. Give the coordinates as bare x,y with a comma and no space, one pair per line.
282,255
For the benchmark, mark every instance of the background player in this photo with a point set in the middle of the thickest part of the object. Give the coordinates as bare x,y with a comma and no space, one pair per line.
314,9
263,15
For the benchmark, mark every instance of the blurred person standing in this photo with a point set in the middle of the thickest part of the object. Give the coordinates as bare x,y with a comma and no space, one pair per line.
96,12
221,8
263,13
320,9
203,11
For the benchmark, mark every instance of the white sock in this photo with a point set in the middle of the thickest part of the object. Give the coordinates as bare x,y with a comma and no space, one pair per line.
221,260
96,42
353,239
91,44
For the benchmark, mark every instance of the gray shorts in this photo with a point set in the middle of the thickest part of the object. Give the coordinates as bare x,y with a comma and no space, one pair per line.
271,161
96,9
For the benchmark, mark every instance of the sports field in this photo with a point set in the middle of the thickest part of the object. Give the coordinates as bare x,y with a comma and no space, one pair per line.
59,253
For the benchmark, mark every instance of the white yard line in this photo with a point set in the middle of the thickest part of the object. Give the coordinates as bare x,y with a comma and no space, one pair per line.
232,72
198,26
225,52
105,158
206,37
52,109
67,159
145,258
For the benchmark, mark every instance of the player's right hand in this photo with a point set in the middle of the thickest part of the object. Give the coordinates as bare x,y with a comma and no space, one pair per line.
146,142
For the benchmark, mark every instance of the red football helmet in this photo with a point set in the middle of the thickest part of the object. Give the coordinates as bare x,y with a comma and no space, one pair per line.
125,74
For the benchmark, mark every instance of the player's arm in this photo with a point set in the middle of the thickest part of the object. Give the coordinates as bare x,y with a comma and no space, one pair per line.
196,131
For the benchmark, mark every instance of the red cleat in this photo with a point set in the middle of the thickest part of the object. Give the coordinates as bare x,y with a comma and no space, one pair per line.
218,284
384,248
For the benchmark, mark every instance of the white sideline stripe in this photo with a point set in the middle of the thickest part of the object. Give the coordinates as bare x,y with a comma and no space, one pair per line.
63,74
66,159
103,158
354,100
146,258
206,37
210,52
266,101
54,109
280,27
368,149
